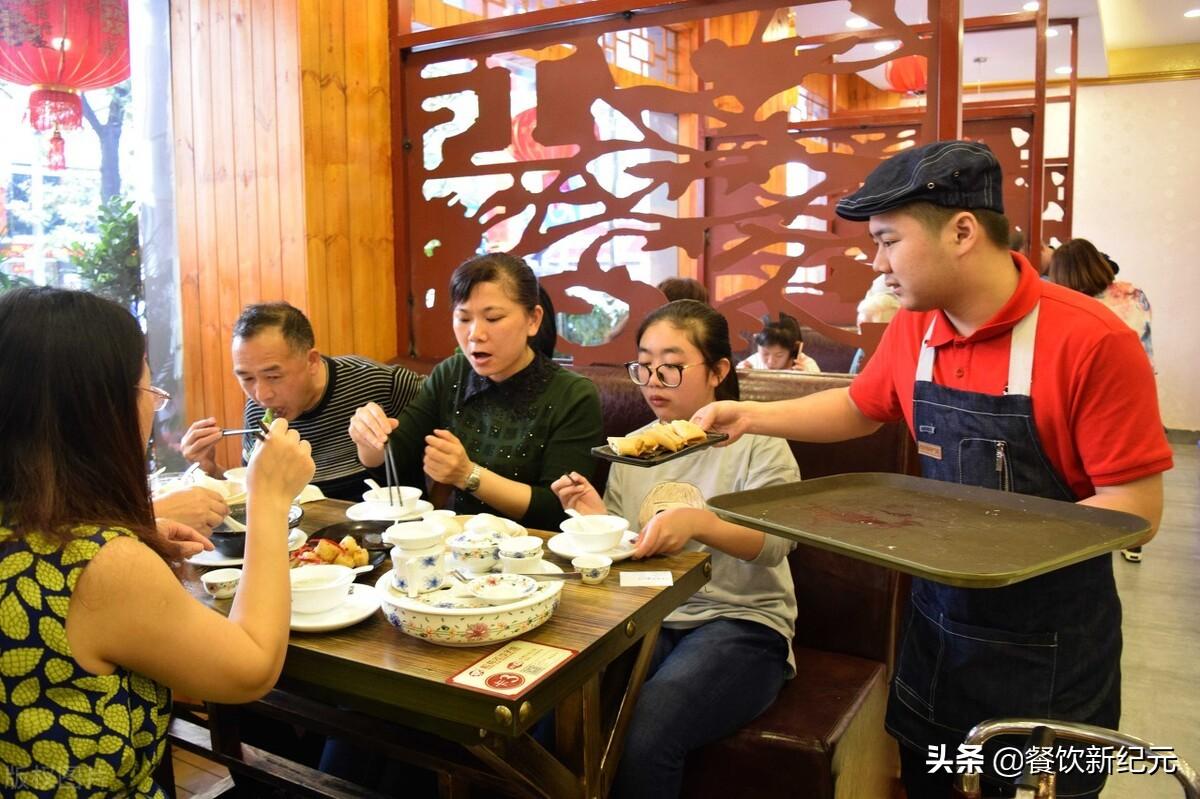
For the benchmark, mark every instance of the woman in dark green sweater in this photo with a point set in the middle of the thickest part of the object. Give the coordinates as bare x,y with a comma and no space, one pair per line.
498,421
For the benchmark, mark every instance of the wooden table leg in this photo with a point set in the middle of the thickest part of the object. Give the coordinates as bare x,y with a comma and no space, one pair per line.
223,726
616,734
531,769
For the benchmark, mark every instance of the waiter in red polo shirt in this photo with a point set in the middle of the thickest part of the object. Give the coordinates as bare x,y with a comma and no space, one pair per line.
1007,382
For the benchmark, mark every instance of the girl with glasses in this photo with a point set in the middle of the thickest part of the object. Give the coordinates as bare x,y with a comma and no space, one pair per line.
722,657
95,627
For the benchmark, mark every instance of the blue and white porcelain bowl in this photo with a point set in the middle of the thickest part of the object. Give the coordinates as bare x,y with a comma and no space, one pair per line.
592,568
522,546
478,552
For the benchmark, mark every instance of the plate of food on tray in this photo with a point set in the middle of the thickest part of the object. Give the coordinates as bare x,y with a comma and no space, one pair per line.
658,443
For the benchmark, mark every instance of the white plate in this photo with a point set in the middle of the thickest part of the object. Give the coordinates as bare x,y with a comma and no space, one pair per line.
546,567
214,559
382,512
563,546
359,605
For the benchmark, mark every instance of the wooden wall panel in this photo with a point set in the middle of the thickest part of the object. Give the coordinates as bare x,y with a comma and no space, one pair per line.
283,178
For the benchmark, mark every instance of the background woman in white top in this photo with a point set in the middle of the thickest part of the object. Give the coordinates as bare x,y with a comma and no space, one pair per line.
725,653
780,345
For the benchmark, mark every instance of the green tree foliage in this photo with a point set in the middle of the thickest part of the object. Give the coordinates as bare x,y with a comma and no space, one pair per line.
607,316
112,267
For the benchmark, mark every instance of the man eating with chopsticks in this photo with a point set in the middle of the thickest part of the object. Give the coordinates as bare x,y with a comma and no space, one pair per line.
1006,382
279,368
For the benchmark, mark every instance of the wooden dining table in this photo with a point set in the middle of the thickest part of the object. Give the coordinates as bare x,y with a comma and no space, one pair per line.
376,687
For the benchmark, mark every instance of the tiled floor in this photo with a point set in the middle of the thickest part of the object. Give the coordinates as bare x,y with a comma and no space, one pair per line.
1161,663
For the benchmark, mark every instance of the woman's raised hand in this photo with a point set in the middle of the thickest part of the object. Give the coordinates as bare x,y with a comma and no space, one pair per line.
446,459
370,427
182,540
281,464
576,493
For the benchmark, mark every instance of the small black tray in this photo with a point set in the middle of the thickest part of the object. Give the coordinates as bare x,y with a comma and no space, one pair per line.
366,533
607,453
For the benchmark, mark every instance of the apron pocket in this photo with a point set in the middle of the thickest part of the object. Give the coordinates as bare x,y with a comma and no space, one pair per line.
986,673
957,675
917,664
984,462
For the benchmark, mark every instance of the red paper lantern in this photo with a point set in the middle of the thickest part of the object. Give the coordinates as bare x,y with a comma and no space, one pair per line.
524,148
62,48
908,74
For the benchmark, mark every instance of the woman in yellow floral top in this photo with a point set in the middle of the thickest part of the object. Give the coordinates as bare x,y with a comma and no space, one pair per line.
95,627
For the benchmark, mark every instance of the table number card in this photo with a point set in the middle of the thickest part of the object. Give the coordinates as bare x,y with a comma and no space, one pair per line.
512,669
632,579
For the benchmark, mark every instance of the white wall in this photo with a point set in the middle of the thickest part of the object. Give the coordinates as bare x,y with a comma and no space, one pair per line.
1137,197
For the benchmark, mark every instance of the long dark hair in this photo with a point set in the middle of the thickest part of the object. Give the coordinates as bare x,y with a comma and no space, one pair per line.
71,447
708,331
1080,266
546,337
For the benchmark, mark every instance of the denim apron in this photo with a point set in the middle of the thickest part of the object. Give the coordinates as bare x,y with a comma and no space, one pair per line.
1047,647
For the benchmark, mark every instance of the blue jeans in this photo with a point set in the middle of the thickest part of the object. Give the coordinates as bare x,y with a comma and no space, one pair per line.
705,683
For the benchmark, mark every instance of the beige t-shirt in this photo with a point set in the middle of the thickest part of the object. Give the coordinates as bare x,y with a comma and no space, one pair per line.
760,590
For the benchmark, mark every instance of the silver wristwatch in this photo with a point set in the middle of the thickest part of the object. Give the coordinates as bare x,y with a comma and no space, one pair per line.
472,484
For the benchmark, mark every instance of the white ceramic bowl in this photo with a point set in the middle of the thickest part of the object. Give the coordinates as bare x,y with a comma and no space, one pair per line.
237,475
221,583
412,535
318,588
502,589
521,546
593,568
477,551
489,523
521,565
440,617
595,533
407,494
445,519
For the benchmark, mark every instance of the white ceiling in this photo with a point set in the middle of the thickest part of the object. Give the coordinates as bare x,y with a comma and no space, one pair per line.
1148,23
1009,55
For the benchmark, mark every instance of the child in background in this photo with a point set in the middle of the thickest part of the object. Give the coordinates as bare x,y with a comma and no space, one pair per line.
780,346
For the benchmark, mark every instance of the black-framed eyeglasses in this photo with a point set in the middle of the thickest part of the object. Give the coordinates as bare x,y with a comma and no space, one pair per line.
161,398
670,375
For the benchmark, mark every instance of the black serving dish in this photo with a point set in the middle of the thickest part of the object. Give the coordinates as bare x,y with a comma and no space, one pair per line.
232,544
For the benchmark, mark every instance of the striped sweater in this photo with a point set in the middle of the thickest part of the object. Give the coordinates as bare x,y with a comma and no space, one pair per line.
353,382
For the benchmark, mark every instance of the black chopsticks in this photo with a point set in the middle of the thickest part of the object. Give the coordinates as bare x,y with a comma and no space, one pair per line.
391,476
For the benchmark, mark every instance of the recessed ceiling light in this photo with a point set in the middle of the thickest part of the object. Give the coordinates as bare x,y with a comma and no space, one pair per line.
857,23
886,47
1031,6
1062,70
1192,13
1051,33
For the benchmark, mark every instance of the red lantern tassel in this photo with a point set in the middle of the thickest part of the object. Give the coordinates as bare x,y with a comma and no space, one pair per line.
50,109
58,152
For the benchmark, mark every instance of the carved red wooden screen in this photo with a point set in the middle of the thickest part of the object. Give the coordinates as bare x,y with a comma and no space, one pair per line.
684,141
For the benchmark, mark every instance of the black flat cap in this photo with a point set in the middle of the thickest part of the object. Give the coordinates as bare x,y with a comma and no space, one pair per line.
954,174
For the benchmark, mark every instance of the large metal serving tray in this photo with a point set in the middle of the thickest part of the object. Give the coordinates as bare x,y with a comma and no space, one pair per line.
954,534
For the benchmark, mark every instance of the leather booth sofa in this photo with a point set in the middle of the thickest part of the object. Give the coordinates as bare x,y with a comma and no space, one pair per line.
824,735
